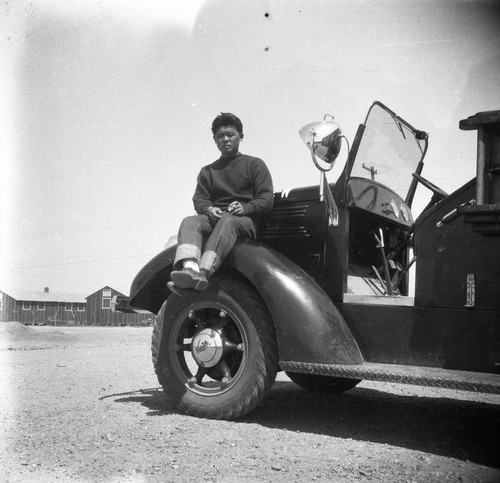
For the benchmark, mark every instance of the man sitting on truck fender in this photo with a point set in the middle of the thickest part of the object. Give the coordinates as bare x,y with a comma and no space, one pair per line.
230,198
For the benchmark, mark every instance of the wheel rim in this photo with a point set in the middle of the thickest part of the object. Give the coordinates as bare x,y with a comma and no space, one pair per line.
208,348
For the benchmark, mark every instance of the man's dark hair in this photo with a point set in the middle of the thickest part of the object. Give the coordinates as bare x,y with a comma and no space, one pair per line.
227,119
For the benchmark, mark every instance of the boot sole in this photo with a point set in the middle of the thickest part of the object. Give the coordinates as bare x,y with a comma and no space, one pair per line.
183,279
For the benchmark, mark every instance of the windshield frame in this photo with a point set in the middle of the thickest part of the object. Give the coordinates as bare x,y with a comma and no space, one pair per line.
420,138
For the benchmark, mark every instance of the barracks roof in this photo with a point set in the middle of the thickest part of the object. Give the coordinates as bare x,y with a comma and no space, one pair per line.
34,296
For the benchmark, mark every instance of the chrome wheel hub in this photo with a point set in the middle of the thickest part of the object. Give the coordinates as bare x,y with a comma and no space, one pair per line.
207,347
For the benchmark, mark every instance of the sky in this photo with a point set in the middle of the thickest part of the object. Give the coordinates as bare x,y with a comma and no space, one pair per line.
106,107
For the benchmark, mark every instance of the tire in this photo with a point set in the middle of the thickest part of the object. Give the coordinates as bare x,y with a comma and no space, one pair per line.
322,384
215,354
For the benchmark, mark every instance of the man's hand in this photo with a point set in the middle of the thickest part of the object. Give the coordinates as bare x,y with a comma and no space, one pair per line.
214,213
236,208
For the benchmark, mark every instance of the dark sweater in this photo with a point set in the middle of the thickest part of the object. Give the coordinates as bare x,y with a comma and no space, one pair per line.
244,178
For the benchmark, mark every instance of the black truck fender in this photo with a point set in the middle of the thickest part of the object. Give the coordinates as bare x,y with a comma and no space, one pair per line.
308,326
149,288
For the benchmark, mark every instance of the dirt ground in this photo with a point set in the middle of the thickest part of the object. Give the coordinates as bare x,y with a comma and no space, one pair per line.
83,404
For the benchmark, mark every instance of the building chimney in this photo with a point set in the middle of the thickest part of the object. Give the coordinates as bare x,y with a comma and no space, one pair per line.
46,289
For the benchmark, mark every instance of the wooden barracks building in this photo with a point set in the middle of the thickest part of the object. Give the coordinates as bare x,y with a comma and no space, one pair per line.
48,308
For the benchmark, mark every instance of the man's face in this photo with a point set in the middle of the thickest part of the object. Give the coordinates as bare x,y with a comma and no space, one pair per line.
228,140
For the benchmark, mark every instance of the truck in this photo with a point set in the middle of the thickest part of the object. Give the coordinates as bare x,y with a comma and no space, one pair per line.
343,283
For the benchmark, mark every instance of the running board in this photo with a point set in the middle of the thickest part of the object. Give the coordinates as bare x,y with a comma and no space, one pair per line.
416,375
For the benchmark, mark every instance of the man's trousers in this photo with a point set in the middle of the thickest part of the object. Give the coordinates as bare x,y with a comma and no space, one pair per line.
221,238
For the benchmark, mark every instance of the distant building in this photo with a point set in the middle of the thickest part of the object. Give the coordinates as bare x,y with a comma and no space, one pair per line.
42,308
99,310
51,308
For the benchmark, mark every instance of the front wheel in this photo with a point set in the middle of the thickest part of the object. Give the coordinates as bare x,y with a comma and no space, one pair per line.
216,353
322,384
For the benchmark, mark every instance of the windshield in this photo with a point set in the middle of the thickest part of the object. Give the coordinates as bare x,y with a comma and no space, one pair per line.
389,151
